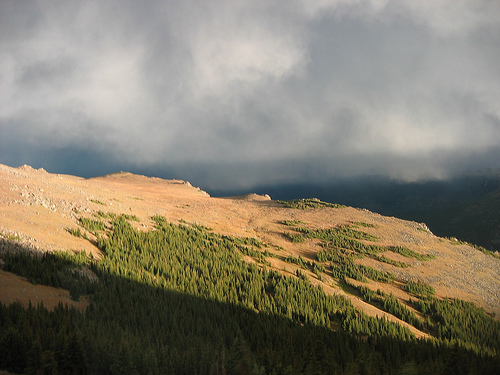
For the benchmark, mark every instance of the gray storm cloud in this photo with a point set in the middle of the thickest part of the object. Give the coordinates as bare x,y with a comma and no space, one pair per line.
245,91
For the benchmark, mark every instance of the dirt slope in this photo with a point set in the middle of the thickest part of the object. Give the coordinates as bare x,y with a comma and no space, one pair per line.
37,208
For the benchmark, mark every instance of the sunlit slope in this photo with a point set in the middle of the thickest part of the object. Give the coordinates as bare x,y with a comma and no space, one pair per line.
38,209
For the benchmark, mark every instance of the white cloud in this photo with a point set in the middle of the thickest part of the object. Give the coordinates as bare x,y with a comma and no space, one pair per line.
240,58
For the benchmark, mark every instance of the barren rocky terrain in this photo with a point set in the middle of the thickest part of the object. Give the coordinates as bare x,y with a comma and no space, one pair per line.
38,208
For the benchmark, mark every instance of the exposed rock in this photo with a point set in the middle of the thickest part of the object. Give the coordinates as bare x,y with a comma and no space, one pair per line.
253,197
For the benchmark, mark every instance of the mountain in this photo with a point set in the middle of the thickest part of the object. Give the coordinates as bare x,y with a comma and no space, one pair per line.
163,277
447,206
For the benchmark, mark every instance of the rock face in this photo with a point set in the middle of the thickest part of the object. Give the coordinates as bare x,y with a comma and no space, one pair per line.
37,210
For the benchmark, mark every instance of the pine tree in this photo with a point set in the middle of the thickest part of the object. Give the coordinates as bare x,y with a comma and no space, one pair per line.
34,359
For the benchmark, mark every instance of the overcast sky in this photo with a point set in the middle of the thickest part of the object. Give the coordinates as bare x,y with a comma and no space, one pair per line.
237,93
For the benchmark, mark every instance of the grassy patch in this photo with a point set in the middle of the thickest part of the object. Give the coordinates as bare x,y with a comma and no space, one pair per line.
341,246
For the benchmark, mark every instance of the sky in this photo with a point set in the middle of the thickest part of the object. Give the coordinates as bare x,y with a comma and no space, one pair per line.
233,94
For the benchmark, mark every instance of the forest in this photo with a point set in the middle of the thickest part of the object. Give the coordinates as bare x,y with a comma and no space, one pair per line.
180,299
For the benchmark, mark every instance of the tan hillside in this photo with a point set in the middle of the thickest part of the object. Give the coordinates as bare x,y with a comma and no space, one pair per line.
37,209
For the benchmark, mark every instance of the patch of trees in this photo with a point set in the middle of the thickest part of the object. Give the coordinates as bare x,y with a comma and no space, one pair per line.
419,288
307,203
388,303
392,262
462,323
408,253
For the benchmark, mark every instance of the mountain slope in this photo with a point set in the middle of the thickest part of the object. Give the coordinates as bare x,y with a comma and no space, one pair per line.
438,203
38,208
383,266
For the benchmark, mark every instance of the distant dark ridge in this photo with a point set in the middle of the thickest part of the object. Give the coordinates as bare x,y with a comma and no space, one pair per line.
476,221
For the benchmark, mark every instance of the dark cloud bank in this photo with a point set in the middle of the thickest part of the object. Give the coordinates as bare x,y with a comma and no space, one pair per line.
232,95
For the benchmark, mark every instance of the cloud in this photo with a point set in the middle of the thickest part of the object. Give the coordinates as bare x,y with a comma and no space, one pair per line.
252,90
